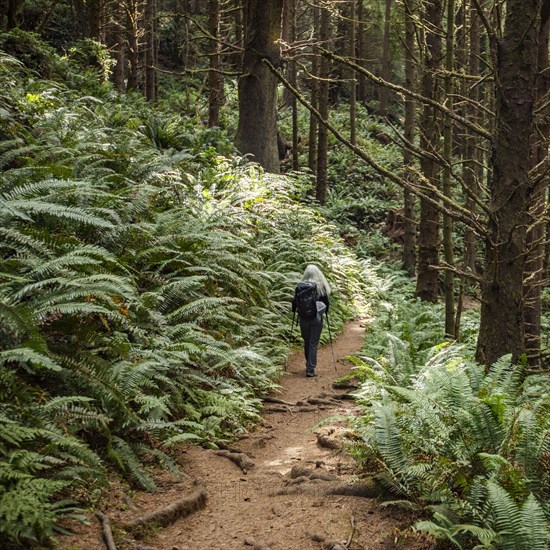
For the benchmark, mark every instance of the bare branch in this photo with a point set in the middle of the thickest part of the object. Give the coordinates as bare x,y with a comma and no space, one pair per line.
399,89
427,191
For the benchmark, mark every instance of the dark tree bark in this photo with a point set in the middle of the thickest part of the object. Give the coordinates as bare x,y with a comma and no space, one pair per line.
94,11
502,326
215,76
322,140
472,154
428,236
534,268
448,249
133,15
384,92
293,80
361,51
116,40
353,82
313,123
409,224
151,82
257,129
11,15
239,37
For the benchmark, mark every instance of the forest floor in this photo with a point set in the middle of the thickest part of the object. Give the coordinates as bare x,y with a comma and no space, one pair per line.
272,489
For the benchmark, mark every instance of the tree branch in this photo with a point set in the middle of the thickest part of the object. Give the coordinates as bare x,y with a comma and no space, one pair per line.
399,89
451,208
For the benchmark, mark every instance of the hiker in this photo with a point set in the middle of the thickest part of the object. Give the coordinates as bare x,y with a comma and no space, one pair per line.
311,301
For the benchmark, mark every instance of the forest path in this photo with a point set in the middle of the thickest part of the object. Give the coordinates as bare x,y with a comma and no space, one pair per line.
271,506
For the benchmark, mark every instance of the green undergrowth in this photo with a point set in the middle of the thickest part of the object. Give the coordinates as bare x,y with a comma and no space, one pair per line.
145,284
447,437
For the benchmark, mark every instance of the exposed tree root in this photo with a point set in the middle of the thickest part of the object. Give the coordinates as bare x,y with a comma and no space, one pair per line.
240,459
366,489
278,401
106,531
169,514
278,409
321,401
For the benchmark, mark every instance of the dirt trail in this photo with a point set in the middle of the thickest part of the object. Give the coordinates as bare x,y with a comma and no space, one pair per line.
270,506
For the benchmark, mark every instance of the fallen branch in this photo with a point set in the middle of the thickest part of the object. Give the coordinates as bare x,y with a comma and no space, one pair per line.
106,531
352,521
240,459
169,514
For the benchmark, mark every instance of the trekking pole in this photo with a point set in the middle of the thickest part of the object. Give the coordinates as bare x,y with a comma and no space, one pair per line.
330,338
290,339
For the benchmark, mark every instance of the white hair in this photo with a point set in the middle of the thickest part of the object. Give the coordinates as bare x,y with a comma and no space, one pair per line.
313,273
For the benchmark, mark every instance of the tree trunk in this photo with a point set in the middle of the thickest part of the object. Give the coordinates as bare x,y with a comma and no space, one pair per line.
534,269
293,81
361,51
239,38
384,92
94,11
353,82
257,129
313,123
116,40
409,225
133,35
428,236
11,15
215,77
151,90
472,155
448,250
322,142
502,327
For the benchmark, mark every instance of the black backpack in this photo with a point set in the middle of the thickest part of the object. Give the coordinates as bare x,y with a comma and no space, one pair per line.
306,299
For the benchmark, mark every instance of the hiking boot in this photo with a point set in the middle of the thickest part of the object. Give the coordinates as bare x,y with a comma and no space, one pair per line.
310,373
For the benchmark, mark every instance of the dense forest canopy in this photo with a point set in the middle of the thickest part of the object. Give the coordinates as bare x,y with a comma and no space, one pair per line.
168,169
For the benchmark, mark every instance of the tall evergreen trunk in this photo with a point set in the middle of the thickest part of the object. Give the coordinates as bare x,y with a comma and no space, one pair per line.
11,14
116,40
239,34
448,250
133,35
409,224
215,76
502,326
151,82
472,154
313,122
361,51
322,140
534,269
94,16
257,129
293,80
353,82
428,235
384,92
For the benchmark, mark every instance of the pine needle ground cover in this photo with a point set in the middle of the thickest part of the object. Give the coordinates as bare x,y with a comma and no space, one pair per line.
145,287
467,445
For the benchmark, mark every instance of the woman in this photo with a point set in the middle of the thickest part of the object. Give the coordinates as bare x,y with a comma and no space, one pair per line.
311,300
